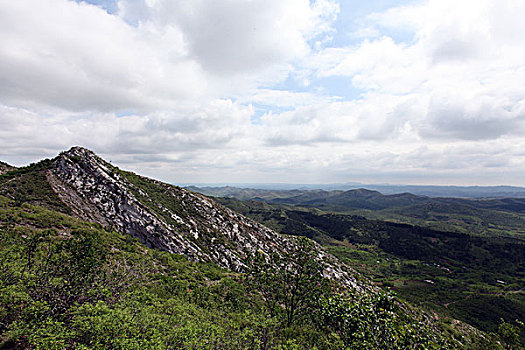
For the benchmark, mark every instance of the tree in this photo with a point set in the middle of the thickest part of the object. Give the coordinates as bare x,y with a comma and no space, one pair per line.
510,333
290,283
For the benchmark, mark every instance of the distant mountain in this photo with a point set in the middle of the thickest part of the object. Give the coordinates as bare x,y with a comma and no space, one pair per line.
454,191
245,193
352,199
480,216
358,199
420,190
73,273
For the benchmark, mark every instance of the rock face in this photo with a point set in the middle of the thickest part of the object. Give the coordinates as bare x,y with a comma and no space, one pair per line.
4,168
167,217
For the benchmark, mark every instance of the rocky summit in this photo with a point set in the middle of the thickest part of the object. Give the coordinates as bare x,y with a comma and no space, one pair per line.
67,259
4,168
166,217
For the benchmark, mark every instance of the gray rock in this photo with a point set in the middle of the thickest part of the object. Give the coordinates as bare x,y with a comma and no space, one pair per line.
194,225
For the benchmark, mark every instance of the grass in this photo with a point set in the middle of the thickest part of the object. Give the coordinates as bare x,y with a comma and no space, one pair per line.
445,272
29,185
66,283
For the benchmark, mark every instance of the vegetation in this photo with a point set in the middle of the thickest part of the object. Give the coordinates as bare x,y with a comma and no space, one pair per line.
492,217
29,185
291,285
4,167
474,279
65,283
70,284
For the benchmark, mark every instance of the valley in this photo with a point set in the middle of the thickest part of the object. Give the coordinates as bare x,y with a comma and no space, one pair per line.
93,256
476,275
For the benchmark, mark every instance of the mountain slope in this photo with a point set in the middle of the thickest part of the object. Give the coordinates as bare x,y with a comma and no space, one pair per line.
36,241
450,272
4,168
358,198
71,284
485,217
161,216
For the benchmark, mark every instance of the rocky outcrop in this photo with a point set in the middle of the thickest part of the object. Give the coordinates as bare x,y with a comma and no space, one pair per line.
4,168
95,191
167,217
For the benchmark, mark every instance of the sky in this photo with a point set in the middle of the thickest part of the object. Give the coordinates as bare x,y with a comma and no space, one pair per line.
270,91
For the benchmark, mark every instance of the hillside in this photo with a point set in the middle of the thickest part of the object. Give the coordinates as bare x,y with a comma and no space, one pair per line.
272,189
161,216
484,217
4,168
452,273
198,275
454,191
358,198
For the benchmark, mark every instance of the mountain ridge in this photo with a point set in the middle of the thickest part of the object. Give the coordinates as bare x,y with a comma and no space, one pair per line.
453,191
4,167
487,216
78,183
162,216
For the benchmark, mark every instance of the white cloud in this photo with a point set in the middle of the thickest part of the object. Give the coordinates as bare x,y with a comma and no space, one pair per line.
167,86
67,70
285,98
75,56
236,37
61,54
178,131
462,71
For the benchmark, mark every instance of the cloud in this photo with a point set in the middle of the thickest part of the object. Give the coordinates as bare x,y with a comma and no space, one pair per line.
234,89
476,118
236,37
61,54
285,98
461,70
149,77
181,131
75,56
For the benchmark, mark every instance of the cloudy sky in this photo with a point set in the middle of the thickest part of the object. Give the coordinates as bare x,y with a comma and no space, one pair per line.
297,91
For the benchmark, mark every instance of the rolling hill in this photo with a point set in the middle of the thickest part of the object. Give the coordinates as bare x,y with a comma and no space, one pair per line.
485,217
97,257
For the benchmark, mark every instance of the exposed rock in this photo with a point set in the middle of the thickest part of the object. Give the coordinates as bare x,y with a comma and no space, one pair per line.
4,168
80,208
179,221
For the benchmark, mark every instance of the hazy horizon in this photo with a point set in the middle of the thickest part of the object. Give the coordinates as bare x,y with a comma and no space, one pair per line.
247,184
479,192
239,184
